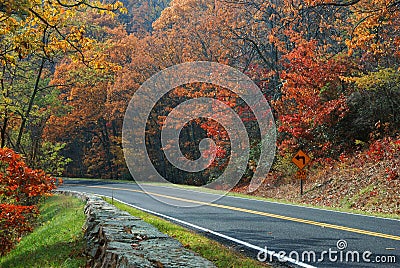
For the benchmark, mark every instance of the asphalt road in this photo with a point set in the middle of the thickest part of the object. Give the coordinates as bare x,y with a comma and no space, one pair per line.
299,236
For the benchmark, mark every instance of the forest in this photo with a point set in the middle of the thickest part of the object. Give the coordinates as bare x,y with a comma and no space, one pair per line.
329,69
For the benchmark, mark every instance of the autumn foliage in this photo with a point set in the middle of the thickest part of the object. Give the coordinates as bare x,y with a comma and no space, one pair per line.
313,98
20,189
14,222
330,70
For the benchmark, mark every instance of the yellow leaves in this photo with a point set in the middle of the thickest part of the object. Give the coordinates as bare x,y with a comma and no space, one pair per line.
123,10
370,20
109,8
258,15
46,27
98,65
76,34
375,80
7,101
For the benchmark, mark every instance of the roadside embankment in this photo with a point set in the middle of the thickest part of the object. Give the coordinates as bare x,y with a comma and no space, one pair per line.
117,239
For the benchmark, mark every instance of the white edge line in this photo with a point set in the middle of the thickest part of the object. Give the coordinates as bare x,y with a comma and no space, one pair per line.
273,253
275,202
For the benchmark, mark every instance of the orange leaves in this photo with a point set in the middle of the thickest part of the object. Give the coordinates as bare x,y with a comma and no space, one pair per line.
19,181
19,185
312,95
374,25
14,222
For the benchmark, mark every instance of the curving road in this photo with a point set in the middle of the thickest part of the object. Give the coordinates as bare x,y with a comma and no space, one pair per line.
298,236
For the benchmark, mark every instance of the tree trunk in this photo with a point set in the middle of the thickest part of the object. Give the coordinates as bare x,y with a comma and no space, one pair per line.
3,132
30,105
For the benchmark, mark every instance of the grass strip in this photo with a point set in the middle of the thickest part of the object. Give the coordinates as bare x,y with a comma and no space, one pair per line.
57,241
209,249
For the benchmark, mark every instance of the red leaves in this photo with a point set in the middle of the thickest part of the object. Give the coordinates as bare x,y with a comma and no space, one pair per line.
14,222
19,185
386,149
312,98
18,180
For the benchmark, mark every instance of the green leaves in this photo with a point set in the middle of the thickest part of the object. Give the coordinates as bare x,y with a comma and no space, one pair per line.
51,160
384,79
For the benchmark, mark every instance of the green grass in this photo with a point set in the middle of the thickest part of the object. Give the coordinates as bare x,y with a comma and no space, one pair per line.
97,179
219,254
57,241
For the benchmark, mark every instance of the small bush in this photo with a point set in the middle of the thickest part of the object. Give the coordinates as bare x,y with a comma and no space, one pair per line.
20,189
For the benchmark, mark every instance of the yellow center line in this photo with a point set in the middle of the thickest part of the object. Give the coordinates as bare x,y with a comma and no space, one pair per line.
260,213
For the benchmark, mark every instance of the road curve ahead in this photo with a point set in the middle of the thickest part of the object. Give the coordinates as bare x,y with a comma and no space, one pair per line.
298,236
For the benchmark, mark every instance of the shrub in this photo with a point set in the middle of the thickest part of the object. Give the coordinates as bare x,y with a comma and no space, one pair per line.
15,220
20,190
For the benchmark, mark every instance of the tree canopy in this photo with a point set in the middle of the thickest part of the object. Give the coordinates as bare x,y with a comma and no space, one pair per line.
329,70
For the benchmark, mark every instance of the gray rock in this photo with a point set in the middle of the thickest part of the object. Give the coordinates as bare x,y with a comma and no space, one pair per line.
114,238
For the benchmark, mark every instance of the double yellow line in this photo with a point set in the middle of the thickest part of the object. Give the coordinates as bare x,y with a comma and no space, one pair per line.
266,214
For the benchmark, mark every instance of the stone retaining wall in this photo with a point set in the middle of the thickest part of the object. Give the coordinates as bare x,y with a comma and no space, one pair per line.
117,239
